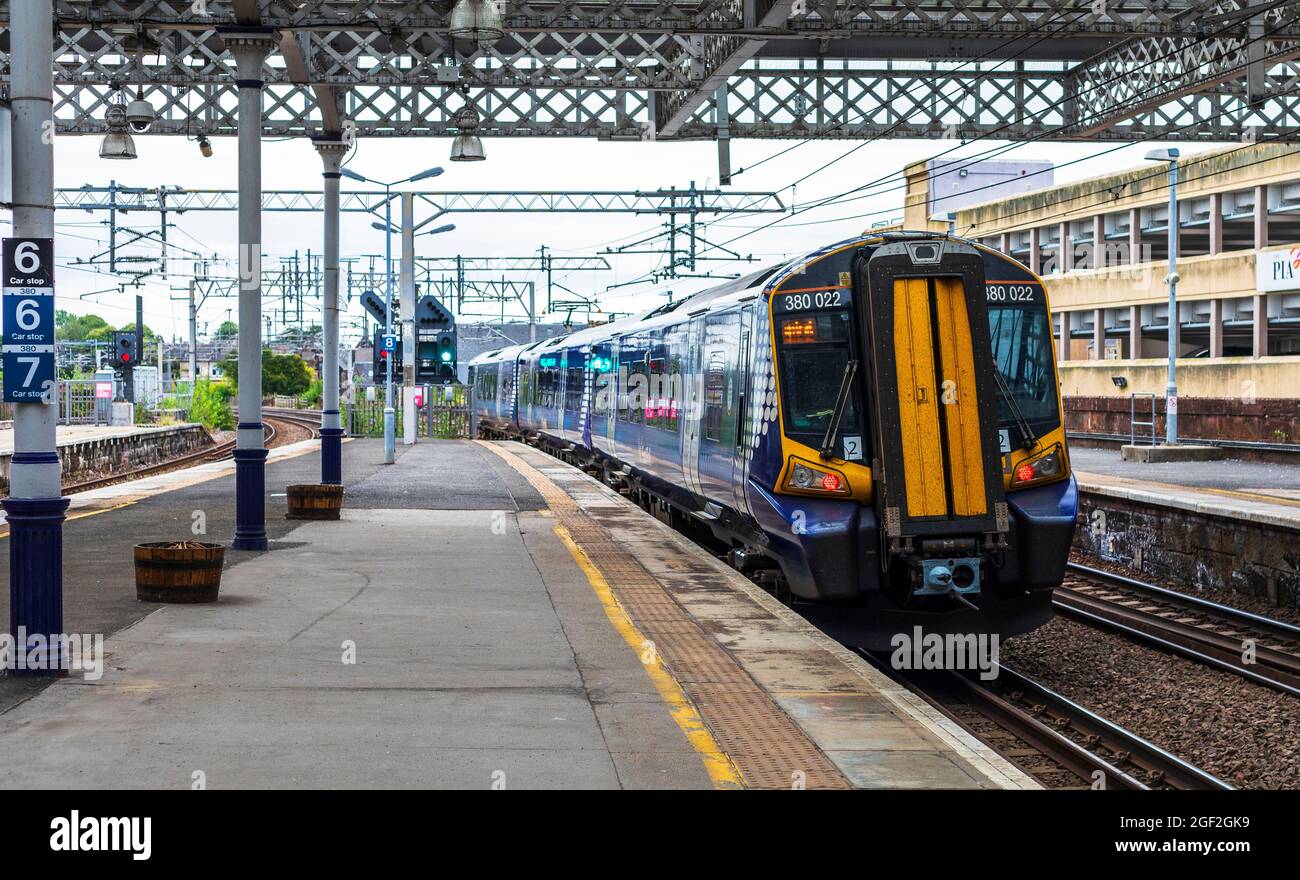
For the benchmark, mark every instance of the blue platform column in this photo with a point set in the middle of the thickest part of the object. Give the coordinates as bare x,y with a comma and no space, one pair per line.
34,508
250,49
331,425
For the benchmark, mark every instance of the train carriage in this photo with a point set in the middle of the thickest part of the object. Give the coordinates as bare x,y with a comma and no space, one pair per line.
874,429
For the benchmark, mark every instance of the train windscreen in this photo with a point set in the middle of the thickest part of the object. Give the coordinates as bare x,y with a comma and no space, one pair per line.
814,351
1021,337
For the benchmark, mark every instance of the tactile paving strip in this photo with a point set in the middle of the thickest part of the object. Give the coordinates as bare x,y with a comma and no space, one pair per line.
765,745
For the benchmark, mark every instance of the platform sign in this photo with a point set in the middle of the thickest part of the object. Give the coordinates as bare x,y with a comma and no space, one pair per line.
103,390
388,342
28,315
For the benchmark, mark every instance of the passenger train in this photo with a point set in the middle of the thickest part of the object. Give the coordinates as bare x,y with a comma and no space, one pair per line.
873,430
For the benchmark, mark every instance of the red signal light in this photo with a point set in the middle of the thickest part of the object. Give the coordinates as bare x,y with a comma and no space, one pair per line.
125,357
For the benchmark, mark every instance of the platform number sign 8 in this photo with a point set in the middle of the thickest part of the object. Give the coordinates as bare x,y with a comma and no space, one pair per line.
28,317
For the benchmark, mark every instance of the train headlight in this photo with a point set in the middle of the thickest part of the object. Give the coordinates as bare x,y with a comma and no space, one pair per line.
804,476
1047,466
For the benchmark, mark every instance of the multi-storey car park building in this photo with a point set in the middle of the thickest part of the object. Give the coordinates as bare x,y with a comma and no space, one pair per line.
1238,287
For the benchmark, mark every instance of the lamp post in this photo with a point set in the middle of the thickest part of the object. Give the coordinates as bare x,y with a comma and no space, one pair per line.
390,418
1170,156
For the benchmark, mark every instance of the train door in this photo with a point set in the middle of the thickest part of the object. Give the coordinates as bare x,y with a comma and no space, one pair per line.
616,390
936,443
692,391
717,448
744,395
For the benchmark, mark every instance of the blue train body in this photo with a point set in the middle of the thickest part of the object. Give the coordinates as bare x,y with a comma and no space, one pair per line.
696,409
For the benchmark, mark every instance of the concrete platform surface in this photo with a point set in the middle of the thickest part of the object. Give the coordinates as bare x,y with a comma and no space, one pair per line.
1260,492
67,435
483,616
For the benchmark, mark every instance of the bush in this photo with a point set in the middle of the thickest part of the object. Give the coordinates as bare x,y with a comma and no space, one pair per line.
286,374
312,396
210,406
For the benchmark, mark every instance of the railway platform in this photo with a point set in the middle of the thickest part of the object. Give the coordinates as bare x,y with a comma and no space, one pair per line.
482,616
1222,527
1245,490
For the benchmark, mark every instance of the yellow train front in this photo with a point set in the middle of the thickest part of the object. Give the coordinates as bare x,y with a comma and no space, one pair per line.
873,431
917,460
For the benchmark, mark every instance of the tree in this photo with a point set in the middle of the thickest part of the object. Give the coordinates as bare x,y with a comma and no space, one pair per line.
77,328
227,330
285,374
149,337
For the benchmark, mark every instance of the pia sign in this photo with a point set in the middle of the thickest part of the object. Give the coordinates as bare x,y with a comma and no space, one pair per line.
1277,270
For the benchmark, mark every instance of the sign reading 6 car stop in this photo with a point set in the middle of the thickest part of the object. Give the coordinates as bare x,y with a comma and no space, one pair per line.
28,315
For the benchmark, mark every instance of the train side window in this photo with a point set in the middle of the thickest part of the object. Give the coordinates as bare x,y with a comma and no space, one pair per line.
632,396
715,392
721,336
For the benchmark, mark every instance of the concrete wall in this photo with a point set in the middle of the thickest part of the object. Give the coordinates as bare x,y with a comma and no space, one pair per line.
107,455
1133,188
1240,377
1221,276
1216,555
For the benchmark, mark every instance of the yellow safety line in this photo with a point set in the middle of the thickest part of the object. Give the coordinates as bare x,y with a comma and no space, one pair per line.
719,767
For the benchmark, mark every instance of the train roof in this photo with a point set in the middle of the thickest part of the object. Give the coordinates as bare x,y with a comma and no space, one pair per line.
761,280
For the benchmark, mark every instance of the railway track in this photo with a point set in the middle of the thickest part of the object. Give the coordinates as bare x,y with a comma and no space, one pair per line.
308,419
1051,738
305,418
1190,626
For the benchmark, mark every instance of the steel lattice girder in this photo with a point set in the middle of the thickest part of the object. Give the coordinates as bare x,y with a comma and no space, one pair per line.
663,201
634,69
533,263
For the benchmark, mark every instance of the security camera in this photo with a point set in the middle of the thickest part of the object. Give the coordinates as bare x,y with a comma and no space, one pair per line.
140,115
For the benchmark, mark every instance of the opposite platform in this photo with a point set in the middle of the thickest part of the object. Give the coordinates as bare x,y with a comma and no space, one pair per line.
482,616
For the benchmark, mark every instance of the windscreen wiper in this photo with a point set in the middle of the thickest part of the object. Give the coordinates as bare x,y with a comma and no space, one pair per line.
837,414
1022,424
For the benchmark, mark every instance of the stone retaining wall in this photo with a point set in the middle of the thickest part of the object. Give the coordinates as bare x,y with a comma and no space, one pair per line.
1214,553
99,457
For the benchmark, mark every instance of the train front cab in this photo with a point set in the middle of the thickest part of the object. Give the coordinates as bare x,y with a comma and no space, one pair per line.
916,508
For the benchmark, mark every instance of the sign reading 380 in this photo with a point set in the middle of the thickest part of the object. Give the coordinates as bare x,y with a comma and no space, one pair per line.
28,315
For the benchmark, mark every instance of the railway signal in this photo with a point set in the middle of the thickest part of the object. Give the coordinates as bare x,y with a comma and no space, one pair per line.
124,353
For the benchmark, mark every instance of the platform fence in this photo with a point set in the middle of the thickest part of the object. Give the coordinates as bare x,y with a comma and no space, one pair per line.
443,414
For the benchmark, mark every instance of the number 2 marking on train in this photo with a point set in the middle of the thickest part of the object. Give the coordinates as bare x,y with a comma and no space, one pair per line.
853,449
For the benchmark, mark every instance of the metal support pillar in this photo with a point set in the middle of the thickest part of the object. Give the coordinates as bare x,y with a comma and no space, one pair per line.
250,50
1035,251
1063,354
723,114
1099,334
35,508
1134,332
331,427
407,313
194,339
1171,387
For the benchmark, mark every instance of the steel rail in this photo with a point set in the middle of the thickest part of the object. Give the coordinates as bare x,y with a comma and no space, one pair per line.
1275,668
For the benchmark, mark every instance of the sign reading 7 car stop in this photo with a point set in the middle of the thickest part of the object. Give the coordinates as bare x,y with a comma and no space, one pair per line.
28,315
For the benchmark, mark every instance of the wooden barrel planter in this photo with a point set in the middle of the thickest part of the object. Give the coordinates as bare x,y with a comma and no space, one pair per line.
178,571
311,501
